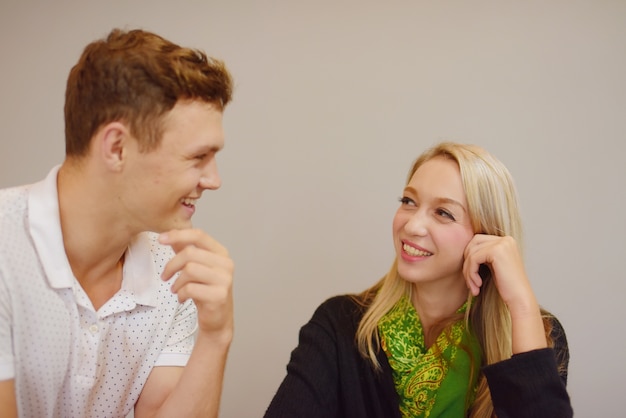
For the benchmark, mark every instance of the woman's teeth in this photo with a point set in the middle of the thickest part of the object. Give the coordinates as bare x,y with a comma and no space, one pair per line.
414,251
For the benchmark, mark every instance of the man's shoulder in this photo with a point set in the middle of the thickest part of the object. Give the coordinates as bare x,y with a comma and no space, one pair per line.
13,200
13,213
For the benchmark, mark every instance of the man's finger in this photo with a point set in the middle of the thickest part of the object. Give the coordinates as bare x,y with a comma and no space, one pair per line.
178,239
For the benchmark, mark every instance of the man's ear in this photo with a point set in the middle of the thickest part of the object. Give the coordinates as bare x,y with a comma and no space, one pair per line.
114,139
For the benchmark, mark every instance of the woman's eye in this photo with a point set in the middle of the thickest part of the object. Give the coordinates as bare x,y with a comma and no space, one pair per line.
406,201
445,214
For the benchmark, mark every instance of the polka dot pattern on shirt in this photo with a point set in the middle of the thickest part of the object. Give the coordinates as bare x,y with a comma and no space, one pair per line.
66,358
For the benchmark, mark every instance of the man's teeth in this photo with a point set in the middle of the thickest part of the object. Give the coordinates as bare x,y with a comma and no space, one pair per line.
414,251
189,202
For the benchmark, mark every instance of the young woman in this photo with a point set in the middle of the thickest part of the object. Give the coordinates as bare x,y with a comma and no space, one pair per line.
454,329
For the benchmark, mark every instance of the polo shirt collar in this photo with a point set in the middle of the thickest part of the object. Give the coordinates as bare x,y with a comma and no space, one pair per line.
140,278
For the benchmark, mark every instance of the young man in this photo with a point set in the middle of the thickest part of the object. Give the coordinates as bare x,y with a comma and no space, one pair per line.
109,300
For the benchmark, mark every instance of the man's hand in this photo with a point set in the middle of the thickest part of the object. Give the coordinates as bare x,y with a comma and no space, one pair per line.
8,404
205,276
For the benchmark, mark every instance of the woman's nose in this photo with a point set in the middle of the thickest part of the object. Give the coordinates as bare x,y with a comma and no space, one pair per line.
417,224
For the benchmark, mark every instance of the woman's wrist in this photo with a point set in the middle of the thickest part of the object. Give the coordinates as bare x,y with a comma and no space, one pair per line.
528,331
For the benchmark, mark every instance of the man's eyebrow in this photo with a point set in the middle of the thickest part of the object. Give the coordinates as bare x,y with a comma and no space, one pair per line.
206,149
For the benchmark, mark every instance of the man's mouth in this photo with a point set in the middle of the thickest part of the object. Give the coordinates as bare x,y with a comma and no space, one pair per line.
414,252
189,202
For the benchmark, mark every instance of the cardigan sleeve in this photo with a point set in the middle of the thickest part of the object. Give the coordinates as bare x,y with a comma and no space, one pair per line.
310,388
327,377
532,384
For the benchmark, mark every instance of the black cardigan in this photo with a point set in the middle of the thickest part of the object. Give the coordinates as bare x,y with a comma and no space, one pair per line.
327,377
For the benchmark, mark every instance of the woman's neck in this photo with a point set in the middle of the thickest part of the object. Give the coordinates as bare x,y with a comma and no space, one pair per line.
435,302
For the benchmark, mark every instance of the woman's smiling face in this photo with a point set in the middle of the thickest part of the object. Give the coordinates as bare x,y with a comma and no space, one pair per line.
432,225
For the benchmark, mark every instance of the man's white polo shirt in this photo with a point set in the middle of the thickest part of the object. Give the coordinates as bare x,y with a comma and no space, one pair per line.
67,359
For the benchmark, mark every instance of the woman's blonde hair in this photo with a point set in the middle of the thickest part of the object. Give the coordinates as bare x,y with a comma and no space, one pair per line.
493,209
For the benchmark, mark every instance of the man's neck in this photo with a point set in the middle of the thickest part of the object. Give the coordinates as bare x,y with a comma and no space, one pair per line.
94,240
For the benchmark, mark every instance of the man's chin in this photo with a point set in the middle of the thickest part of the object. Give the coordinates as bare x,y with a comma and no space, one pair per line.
182,224
174,225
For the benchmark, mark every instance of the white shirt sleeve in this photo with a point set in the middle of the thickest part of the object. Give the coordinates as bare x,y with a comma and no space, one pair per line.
182,337
7,368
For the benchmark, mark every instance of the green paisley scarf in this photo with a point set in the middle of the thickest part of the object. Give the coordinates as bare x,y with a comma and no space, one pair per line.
431,382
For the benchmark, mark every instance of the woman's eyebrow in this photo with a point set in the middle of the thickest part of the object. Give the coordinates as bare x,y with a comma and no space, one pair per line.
449,200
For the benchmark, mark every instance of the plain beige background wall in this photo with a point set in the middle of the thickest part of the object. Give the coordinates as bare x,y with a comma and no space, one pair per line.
334,100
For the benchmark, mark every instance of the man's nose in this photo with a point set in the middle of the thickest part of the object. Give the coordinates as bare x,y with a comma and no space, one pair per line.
210,177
